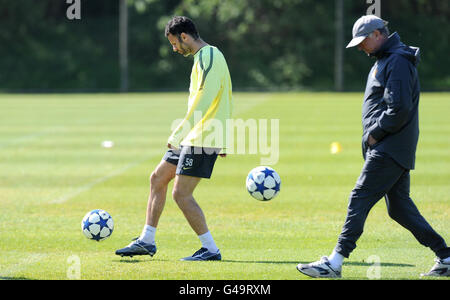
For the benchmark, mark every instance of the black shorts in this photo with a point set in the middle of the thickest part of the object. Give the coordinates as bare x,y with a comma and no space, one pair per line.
193,161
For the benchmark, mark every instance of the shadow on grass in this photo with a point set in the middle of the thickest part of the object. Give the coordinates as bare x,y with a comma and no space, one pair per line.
350,263
135,260
281,262
259,262
14,278
364,264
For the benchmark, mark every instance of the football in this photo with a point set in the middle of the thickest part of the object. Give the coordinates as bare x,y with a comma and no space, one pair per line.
263,183
97,225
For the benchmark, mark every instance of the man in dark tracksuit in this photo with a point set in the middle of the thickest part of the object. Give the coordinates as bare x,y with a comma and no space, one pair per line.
390,134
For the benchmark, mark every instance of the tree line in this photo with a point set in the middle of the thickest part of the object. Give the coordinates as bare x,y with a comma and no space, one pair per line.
268,44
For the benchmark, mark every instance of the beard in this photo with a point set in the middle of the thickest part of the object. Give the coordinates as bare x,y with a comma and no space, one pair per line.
185,50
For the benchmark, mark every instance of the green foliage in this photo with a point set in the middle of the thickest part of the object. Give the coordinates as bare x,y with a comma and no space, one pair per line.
269,44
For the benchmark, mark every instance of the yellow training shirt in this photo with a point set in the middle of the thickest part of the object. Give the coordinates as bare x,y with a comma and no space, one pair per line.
209,105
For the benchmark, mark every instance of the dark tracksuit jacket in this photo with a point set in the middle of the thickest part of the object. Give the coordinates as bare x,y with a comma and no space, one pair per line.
390,115
390,110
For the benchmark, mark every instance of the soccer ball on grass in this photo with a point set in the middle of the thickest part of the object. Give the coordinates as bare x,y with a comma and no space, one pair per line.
263,183
97,225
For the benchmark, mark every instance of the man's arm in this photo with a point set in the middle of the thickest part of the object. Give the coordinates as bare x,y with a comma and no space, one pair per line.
205,93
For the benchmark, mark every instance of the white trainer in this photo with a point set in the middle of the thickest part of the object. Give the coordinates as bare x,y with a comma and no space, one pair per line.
440,269
320,269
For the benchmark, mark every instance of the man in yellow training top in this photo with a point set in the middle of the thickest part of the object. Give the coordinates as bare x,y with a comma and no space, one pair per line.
192,152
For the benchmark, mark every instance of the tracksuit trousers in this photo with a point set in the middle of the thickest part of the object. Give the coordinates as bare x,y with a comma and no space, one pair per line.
382,176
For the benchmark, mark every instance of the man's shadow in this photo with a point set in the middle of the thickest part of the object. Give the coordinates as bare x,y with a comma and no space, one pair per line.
350,263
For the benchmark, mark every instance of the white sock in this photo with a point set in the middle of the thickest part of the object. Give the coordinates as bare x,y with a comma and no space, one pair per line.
148,235
336,259
208,242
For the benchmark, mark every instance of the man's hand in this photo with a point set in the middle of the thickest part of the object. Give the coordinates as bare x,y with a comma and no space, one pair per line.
371,141
171,147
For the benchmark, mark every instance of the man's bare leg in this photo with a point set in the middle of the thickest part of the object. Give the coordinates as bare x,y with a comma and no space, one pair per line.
183,195
159,180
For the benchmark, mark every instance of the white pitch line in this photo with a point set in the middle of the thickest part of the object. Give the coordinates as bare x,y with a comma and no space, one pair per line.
91,184
28,137
240,110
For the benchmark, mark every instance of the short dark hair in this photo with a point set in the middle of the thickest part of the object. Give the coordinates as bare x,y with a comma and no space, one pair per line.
180,24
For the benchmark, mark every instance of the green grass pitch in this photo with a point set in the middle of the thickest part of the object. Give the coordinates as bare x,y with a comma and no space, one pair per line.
53,170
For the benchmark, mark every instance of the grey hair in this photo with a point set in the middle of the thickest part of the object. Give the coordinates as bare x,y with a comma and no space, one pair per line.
384,30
